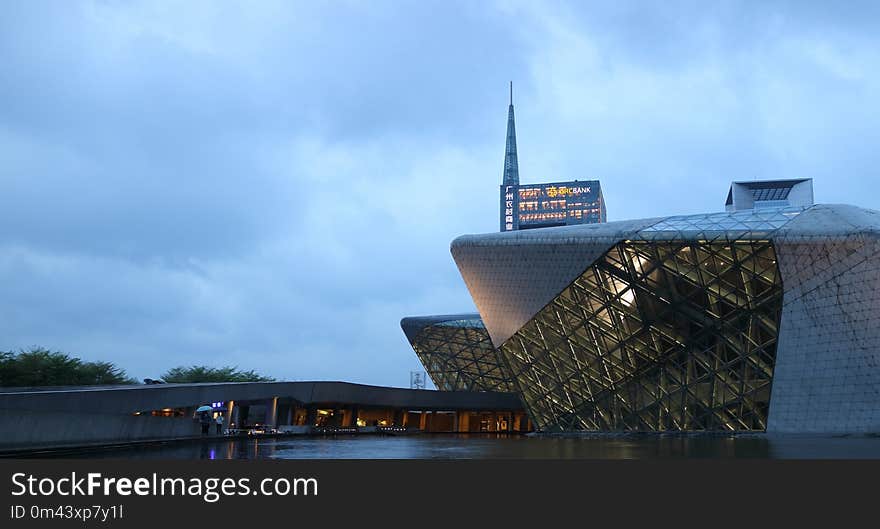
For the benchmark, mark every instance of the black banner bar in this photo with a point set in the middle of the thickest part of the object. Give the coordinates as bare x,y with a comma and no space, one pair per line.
126,493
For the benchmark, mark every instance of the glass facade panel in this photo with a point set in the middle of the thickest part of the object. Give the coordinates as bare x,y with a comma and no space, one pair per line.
731,225
656,336
458,356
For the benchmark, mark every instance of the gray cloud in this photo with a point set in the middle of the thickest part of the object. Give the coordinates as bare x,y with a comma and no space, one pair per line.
274,186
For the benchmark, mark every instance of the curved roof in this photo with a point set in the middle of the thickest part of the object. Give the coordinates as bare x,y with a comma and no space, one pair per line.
412,325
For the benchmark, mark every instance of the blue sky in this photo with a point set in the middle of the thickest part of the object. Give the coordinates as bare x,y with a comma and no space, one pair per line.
274,185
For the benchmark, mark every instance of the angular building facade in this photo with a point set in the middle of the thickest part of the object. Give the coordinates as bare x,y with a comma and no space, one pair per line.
457,352
753,320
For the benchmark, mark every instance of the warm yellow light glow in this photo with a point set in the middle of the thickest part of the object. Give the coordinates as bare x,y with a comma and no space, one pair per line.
638,262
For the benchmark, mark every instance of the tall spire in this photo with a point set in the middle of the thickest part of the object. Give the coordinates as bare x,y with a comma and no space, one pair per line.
511,165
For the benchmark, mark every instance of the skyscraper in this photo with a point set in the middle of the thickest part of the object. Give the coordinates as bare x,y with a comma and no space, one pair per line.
544,205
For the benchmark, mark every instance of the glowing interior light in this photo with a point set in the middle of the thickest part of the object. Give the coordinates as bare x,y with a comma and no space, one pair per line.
628,297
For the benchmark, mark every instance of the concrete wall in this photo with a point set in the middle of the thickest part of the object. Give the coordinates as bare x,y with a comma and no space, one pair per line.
801,194
35,429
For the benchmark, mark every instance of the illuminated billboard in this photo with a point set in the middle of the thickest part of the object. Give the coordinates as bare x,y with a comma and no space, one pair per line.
552,204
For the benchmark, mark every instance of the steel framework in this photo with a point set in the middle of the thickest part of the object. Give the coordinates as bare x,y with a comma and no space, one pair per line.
655,336
459,356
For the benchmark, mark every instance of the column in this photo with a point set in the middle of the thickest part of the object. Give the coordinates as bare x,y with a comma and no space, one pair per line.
464,422
271,411
233,418
229,413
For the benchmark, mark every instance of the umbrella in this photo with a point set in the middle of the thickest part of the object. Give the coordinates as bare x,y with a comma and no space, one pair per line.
204,408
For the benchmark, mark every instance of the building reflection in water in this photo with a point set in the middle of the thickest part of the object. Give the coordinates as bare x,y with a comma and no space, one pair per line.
505,446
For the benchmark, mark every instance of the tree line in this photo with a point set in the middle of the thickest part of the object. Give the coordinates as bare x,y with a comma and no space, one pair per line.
41,367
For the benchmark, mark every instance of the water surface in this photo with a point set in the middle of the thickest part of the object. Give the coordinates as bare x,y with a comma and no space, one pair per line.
464,446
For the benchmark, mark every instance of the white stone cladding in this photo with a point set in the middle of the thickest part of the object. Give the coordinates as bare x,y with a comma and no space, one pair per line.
513,275
827,373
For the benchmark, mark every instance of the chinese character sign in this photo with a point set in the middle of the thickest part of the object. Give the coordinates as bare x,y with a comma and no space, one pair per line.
509,207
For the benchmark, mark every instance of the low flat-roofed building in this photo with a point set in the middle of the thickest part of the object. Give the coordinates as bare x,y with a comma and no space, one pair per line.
50,418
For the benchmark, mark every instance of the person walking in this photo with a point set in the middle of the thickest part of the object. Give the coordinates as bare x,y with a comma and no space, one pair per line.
219,422
205,421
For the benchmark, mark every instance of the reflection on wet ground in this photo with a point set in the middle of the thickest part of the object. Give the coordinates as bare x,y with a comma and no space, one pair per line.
466,446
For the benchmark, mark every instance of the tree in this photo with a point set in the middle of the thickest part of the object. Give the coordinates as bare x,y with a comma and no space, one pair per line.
42,367
182,374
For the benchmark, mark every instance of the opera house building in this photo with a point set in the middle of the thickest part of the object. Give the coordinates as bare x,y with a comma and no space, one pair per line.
762,318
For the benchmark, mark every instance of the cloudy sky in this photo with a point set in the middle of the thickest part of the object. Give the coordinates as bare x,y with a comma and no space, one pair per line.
273,185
